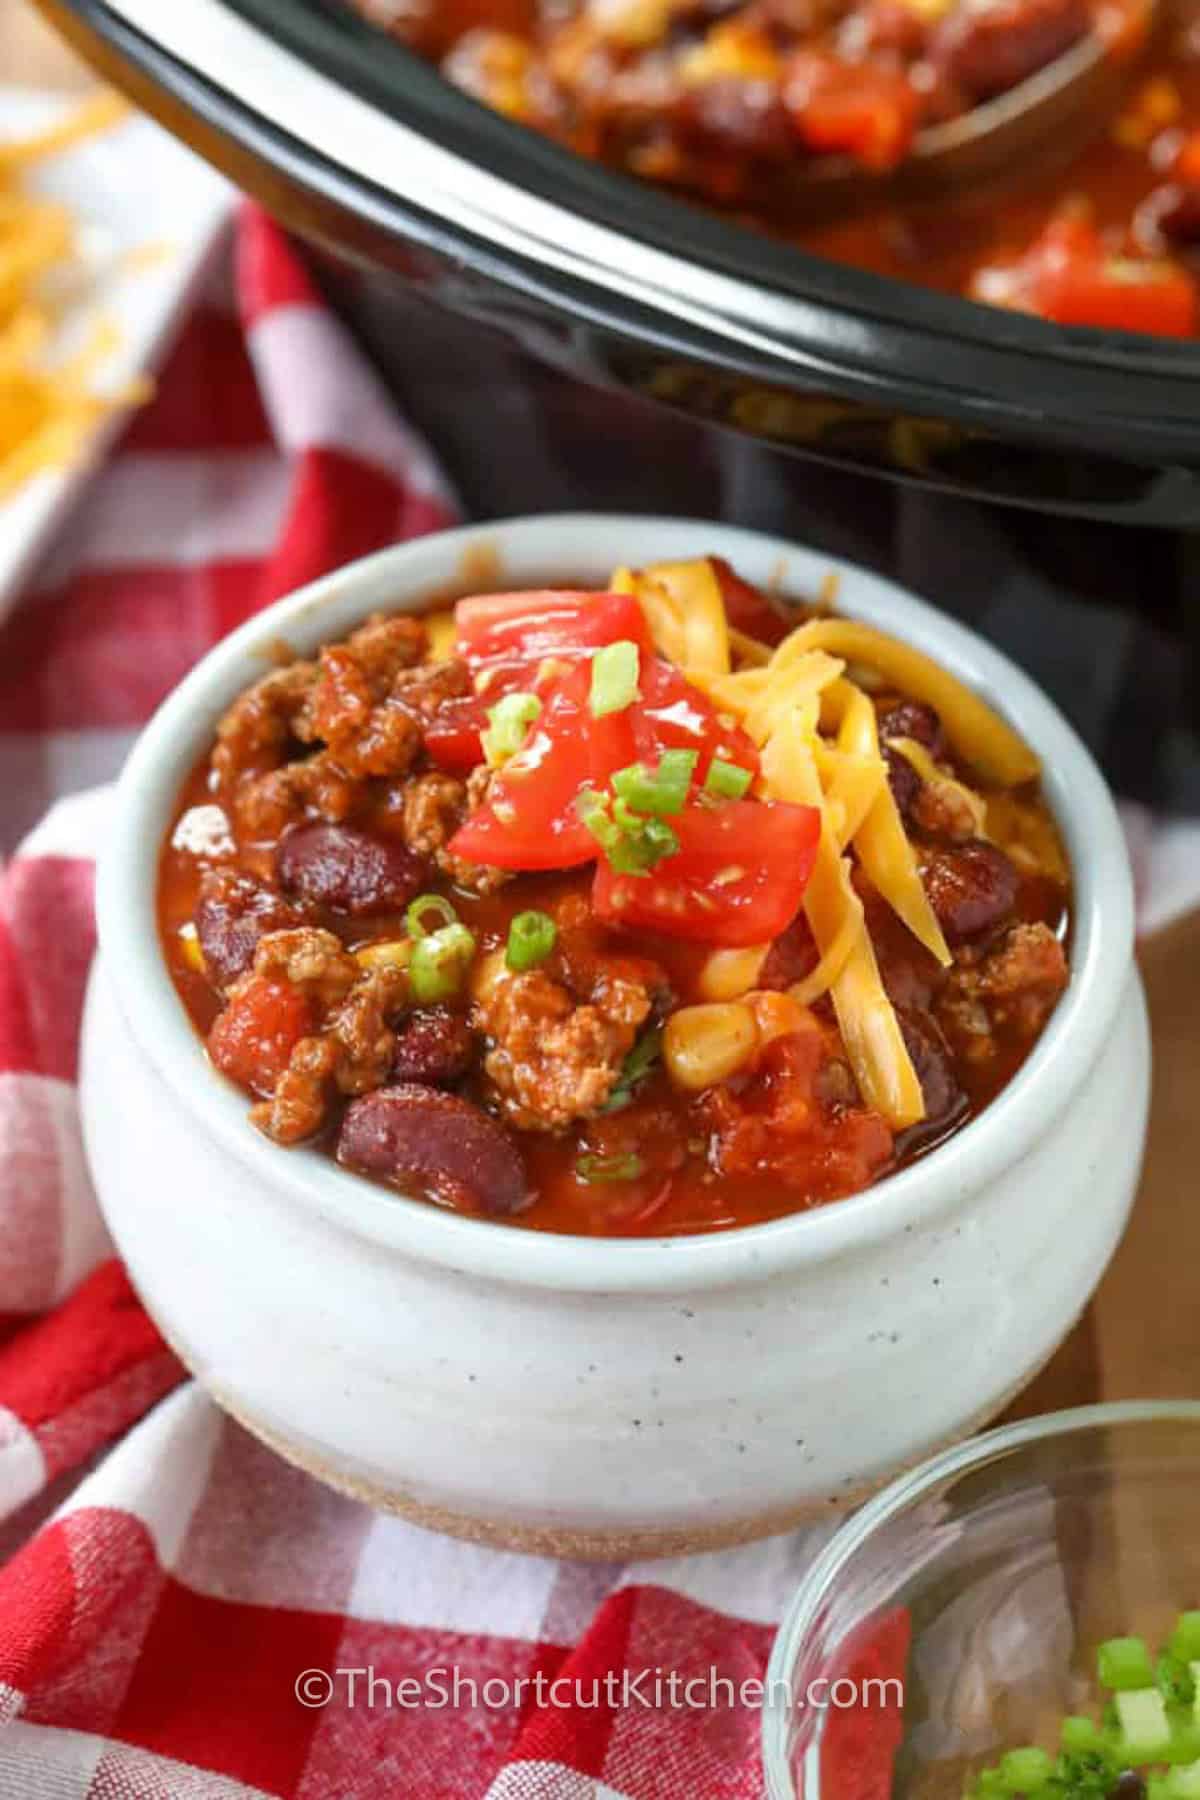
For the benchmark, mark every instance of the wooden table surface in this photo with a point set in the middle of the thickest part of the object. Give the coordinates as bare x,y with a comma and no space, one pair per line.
1140,1336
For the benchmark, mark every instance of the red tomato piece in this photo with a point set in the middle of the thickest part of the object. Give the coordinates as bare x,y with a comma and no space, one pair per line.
1069,276
859,1743
252,1040
856,109
531,820
674,715
509,636
748,609
454,737
738,876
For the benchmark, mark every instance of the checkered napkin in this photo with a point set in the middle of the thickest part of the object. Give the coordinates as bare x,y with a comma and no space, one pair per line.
165,1581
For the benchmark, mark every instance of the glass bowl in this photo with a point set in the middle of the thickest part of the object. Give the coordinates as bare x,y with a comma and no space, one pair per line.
984,1581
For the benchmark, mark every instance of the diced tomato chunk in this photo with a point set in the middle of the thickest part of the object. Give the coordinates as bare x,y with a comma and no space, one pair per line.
738,877
1069,276
852,109
454,737
748,609
675,715
1185,164
252,1040
507,637
531,820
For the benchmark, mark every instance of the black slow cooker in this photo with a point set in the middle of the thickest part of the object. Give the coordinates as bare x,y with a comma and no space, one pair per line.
568,337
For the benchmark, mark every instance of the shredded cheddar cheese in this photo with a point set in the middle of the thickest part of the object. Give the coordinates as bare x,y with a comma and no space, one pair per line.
47,409
980,736
918,758
867,1022
807,705
685,611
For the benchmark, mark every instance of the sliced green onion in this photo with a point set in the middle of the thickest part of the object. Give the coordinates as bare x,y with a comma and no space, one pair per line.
661,791
642,849
439,963
632,844
727,779
1142,1719
1183,1782
508,725
1022,1771
614,677
421,907
1175,1681
1124,1663
609,1168
635,1068
594,810
1080,1733
530,940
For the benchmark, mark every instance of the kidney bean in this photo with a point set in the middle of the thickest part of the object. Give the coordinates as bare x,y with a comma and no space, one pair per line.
233,911
792,956
988,49
913,719
438,1142
910,719
435,1048
931,1059
971,888
349,871
746,116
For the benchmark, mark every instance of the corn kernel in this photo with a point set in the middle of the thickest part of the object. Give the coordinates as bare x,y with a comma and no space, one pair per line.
189,945
391,953
728,974
443,634
706,1044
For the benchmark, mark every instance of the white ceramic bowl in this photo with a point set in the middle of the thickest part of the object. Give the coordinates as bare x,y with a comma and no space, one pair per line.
607,1397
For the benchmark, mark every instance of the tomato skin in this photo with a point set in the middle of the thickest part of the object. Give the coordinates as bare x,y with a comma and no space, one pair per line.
252,1040
454,737
530,820
1069,276
690,895
869,113
674,715
748,609
508,636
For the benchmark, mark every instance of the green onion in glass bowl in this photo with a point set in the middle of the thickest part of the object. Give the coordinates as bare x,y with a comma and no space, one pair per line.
1011,1588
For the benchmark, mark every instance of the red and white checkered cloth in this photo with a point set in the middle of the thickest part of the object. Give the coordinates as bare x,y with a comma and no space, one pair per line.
163,1579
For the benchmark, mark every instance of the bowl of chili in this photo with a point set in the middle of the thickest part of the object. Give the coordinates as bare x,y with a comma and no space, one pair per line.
654,1045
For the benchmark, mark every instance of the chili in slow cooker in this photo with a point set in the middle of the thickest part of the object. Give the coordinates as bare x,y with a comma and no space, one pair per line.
657,910
719,98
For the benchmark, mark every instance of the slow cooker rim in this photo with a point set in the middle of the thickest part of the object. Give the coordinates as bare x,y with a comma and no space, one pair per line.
1066,385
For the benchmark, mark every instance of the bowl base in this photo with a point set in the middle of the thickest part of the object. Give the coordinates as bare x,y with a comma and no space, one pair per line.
566,1542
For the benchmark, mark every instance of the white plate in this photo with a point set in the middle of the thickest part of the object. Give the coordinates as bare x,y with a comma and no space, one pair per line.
130,186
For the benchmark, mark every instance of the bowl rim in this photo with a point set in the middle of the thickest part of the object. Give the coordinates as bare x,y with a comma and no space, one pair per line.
365,115
534,551
973,1452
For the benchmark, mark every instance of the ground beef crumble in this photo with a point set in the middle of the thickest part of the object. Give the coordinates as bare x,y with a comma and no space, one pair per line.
435,805
1006,991
557,1037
